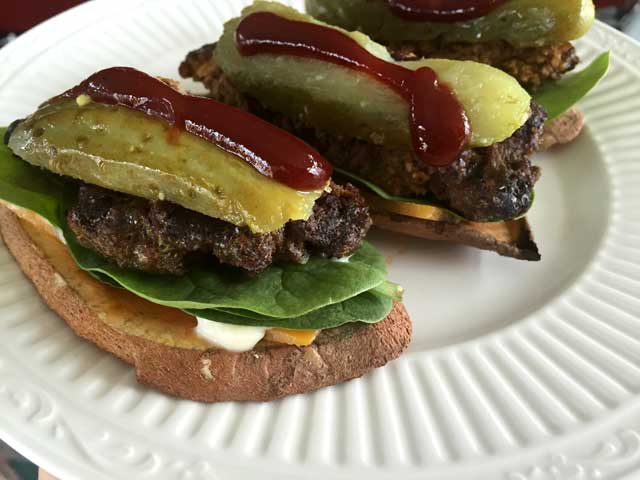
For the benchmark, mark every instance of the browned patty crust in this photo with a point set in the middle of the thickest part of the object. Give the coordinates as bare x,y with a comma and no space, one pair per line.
493,183
531,66
162,237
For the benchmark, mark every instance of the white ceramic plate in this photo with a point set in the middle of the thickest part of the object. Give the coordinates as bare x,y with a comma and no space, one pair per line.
517,371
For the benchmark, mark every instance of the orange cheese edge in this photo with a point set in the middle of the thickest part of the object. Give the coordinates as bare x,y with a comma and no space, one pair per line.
415,210
300,338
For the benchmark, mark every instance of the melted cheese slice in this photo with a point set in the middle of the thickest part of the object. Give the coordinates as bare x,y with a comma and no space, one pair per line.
300,338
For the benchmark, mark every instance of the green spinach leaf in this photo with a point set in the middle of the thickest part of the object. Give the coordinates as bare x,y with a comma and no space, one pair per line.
282,291
558,97
24,184
368,307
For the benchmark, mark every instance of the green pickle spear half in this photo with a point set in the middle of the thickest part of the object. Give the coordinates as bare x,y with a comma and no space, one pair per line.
127,151
352,103
522,23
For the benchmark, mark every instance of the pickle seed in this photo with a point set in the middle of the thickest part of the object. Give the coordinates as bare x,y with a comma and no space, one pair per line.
55,164
377,138
81,141
218,191
99,129
83,100
38,132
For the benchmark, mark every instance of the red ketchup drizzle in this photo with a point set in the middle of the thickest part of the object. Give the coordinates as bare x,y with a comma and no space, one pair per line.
271,151
439,125
442,10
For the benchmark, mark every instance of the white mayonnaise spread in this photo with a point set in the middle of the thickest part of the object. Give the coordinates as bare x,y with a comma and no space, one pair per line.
235,338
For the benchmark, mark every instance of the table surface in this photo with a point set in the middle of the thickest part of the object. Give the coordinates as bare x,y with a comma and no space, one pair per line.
15,467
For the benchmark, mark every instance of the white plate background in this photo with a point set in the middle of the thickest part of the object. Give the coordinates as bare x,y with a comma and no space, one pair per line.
518,370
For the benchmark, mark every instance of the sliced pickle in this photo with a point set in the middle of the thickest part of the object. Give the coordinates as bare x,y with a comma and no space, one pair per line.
522,23
127,151
348,102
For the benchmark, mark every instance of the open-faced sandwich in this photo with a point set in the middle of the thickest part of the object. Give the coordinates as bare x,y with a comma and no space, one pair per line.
441,148
201,244
529,39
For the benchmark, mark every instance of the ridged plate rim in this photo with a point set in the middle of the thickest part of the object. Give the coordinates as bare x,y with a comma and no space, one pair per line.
76,443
